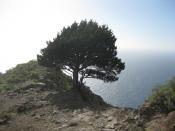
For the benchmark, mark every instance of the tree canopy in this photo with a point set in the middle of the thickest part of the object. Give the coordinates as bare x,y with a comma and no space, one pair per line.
86,50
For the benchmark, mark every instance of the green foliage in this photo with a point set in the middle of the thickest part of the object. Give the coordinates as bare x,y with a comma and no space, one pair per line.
163,97
6,87
32,73
84,48
23,72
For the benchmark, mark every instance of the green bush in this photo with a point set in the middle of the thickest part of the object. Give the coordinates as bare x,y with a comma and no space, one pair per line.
6,87
32,72
163,97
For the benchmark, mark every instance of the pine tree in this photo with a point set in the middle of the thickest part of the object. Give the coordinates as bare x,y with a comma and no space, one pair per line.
86,50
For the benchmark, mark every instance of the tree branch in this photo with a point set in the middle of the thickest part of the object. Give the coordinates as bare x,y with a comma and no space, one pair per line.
66,68
67,72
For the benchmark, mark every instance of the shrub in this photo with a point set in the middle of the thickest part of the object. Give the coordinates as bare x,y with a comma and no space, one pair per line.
32,73
163,97
6,87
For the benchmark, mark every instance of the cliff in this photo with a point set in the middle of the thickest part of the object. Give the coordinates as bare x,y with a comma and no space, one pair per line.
39,100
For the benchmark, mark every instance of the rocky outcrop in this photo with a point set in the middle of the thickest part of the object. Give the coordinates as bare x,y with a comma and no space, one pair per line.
154,120
146,111
161,122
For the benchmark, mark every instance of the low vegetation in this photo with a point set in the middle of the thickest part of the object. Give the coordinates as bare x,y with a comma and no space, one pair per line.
32,73
163,97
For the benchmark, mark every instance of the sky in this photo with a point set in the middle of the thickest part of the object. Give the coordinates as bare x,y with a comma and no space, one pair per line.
26,25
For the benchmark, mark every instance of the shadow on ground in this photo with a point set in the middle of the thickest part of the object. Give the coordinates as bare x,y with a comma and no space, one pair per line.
72,99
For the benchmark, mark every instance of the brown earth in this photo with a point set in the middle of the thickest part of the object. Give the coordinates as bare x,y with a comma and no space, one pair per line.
39,109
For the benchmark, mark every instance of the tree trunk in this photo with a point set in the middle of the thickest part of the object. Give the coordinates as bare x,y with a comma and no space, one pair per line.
75,78
78,85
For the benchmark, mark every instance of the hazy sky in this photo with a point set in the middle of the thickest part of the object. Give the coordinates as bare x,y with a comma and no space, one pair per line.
26,25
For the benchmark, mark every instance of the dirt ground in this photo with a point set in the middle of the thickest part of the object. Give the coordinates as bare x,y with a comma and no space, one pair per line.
38,109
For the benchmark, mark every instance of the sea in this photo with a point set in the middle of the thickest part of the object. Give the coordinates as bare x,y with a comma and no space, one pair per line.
144,71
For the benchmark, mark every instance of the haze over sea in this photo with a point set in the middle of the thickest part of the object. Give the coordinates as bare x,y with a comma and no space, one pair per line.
144,71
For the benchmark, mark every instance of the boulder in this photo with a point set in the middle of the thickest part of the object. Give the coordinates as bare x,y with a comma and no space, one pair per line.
146,110
4,119
165,123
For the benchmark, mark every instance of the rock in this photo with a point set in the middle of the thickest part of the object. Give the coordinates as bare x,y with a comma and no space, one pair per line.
12,94
111,124
86,118
33,114
37,117
86,129
99,123
146,110
4,119
57,121
55,112
91,123
76,112
140,122
40,84
108,130
41,103
129,119
171,115
42,114
165,123
110,118
136,117
21,108
59,128
157,116
77,118
171,121
73,123
65,110
97,117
